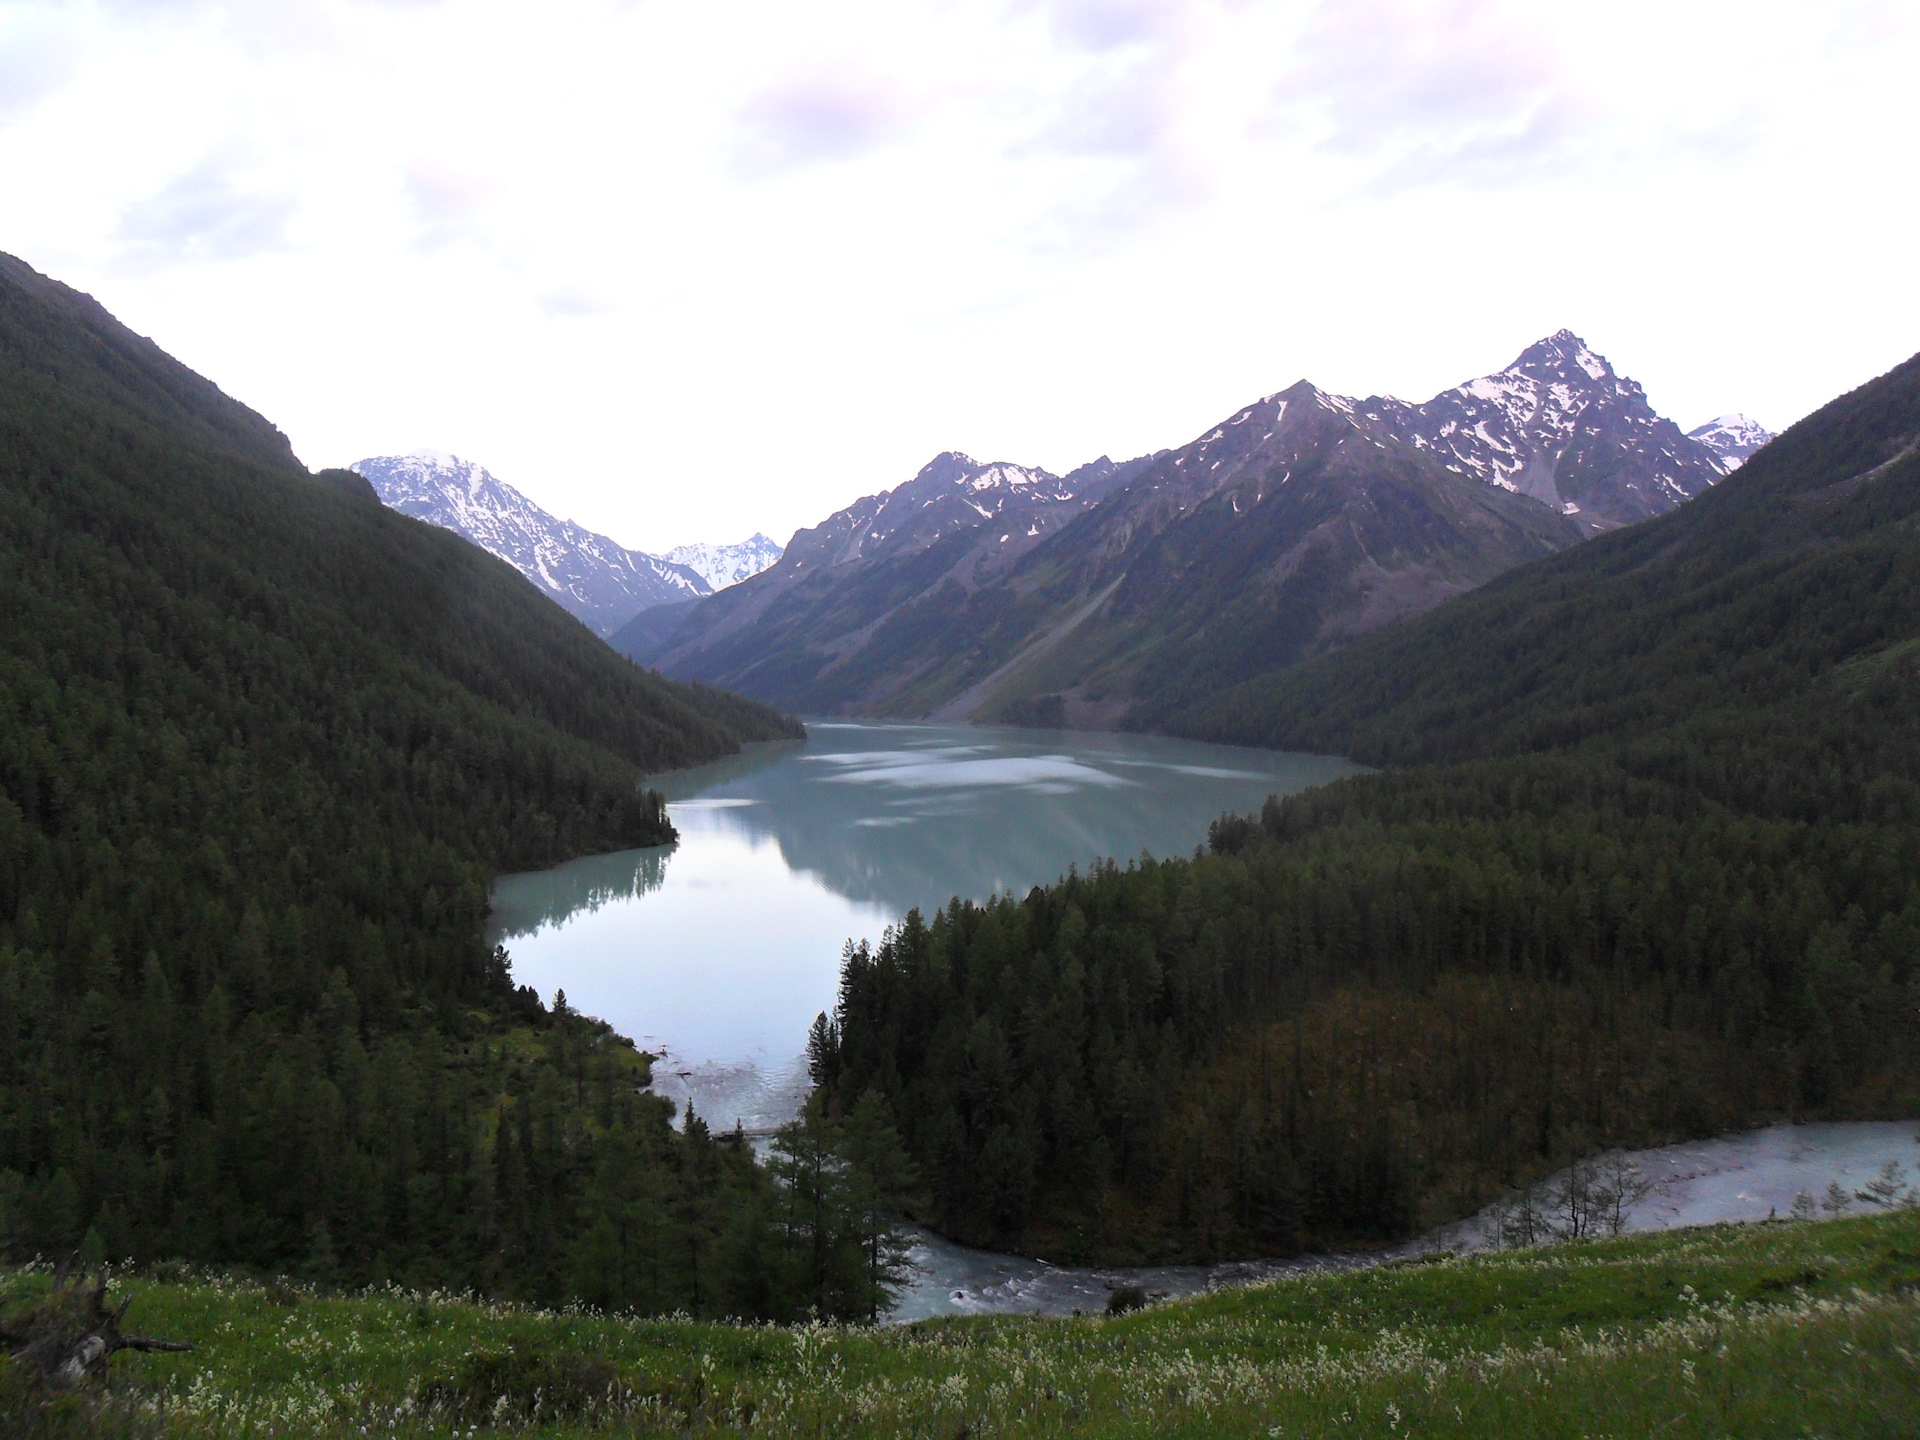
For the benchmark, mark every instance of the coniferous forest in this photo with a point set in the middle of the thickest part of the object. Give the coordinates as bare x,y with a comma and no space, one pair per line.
1644,864
264,745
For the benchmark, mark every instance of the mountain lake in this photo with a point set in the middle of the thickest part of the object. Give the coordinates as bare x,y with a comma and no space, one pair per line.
717,952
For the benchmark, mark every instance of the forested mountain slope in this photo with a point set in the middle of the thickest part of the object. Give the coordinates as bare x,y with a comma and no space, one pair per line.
263,745
1663,879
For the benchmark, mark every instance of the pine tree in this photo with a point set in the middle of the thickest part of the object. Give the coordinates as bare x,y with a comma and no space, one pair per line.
881,1180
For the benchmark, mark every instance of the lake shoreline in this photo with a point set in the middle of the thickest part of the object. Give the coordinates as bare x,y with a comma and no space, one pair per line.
717,952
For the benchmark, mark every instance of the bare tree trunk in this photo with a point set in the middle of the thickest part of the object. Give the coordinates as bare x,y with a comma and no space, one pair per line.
71,1334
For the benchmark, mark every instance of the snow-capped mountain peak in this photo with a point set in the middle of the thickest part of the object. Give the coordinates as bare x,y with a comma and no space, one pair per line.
1732,438
595,578
1561,425
724,565
1557,354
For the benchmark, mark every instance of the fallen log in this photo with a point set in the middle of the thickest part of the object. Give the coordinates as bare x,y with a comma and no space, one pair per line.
71,1334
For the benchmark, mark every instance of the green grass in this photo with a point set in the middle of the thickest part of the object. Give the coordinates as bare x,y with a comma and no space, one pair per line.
1787,1329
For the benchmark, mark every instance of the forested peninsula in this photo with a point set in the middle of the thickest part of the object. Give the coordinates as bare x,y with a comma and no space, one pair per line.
1643,863
263,745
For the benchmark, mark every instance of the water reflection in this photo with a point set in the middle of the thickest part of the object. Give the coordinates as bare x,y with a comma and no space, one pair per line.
582,887
898,815
718,952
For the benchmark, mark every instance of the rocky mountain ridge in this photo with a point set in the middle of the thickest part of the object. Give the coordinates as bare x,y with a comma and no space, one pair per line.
1113,594
958,516
1560,426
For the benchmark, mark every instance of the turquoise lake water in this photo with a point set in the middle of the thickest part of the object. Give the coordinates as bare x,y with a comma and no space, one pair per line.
717,952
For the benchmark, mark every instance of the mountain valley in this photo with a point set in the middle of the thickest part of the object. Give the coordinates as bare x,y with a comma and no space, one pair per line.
1637,865
1172,719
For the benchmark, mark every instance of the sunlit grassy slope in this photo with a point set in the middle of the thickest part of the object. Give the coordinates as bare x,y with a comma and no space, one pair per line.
1808,1328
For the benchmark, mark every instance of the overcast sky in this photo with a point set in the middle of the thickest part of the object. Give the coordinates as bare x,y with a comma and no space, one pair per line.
683,271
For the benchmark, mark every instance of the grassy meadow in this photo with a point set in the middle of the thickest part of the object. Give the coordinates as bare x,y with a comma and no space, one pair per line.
1808,1328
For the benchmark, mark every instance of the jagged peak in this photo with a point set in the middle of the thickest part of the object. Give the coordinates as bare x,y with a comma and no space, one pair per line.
426,458
1095,469
956,467
1733,422
1559,351
948,465
1302,391
593,576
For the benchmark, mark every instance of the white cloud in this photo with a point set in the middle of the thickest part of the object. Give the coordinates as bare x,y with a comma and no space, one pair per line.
207,215
36,59
808,118
1104,25
574,302
448,205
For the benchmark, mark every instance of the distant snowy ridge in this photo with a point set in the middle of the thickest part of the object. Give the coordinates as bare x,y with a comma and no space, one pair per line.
596,579
724,565
1732,438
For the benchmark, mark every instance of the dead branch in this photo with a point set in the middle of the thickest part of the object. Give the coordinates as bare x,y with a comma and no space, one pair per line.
71,1334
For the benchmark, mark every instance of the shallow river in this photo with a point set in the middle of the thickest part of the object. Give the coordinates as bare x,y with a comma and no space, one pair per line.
717,952
1736,1177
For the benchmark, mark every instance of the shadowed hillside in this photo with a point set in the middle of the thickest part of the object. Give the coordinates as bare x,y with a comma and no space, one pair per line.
263,746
